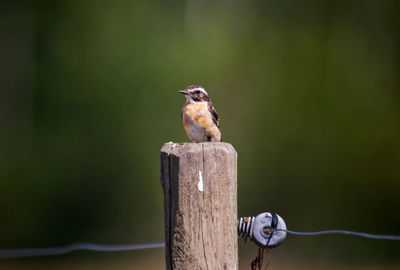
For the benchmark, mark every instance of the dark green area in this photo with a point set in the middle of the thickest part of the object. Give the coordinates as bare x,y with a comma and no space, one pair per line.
308,93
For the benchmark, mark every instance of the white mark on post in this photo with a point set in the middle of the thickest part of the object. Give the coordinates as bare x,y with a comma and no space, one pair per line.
200,184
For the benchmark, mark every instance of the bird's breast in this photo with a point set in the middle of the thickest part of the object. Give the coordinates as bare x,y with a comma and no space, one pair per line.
198,113
197,121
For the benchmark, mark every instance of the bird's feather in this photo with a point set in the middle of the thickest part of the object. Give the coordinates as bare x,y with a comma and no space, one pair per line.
214,116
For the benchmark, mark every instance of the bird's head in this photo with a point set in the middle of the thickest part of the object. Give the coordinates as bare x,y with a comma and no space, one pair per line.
195,93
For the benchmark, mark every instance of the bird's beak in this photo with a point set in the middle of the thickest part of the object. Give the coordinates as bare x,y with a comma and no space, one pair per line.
183,92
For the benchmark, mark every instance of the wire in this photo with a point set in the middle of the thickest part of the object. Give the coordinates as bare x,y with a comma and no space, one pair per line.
361,234
49,251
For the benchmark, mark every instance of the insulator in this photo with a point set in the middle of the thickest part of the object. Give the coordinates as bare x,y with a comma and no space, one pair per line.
266,229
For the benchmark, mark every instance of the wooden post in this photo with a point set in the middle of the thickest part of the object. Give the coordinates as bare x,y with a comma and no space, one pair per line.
200,205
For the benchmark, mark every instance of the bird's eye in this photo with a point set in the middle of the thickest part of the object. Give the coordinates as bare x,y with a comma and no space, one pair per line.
197,92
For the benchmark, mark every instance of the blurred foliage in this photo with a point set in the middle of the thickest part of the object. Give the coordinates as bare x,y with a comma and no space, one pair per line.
307,92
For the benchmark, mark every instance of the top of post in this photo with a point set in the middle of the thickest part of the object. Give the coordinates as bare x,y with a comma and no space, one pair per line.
179,148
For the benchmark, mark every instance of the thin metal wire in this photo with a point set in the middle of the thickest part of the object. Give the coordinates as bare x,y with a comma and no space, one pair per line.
268,258
49,251
361,234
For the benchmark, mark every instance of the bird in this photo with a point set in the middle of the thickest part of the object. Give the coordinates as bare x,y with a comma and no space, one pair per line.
199,117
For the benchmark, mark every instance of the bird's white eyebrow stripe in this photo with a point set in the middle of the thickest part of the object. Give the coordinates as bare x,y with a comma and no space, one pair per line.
200,89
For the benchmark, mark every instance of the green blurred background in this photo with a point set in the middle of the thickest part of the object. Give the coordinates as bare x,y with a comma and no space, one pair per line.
307,92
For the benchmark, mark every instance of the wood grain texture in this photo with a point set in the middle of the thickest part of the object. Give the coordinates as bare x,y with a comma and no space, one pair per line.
200,220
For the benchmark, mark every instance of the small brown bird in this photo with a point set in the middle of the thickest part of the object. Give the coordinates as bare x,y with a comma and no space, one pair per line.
199,117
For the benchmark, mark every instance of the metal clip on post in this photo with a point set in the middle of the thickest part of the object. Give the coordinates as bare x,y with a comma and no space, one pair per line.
260,229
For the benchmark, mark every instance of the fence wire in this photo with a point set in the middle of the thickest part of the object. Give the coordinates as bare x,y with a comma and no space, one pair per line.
49,251
354,233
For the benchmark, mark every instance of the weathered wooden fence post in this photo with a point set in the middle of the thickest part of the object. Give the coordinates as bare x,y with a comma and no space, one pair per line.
200,205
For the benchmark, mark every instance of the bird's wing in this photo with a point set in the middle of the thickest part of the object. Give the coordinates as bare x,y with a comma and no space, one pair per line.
214,114
214,117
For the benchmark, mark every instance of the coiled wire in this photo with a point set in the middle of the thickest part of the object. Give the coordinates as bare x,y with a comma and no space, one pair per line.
245,225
